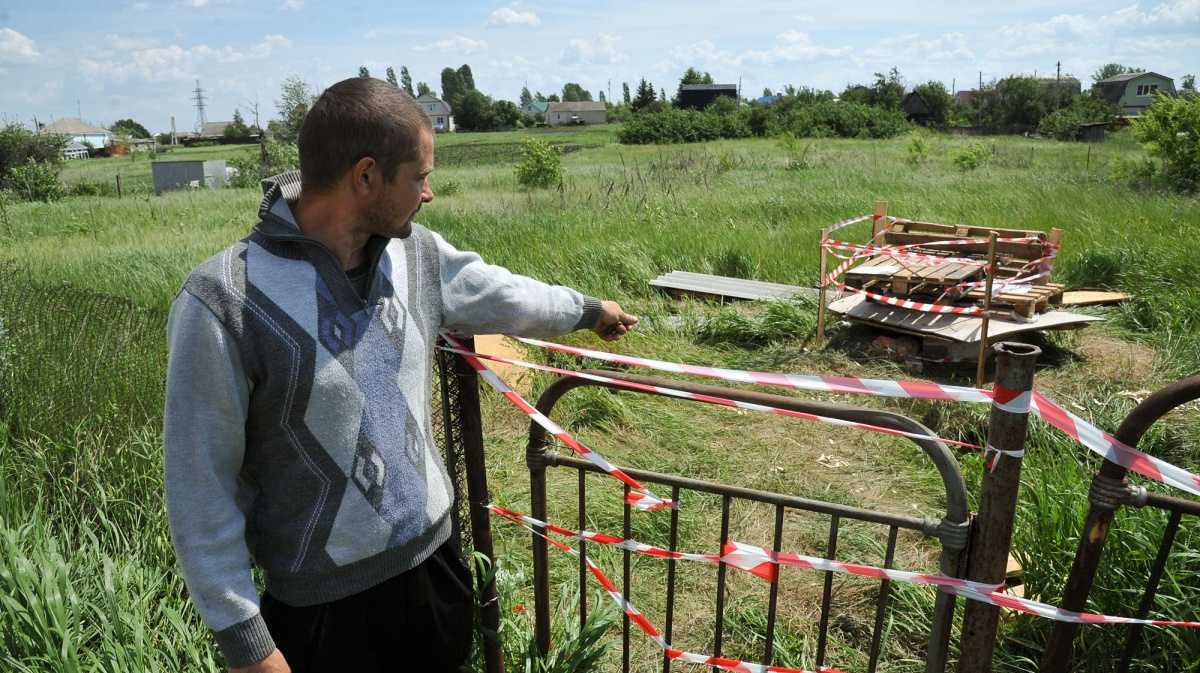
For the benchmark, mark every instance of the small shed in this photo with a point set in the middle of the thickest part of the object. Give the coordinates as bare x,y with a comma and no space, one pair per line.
74,150
700,96
1092,132
915,107
171,175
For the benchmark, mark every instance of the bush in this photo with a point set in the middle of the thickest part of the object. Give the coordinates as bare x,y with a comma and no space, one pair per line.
822,117
671,126
971,155
85,187
18,145
249,168
541,164
36,181
918,148
1170,131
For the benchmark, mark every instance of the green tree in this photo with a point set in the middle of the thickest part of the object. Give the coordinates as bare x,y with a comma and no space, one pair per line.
363,72
423,88
625,91
1187,84
692,76
644,95
468,80
1067,123
406,80
526,97
18,146
539,97
541,164
237,128
473,112
1112,70
1018,101
295,98
129,128
575,93
936,98
888,90
1168,131
391,77
506,114
453,87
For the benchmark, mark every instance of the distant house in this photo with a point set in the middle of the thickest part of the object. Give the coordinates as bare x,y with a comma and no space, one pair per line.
576,113
915,107
700,96
963,96
213,129
773,98
1067,83
534,108
1133,92
438,111
78,131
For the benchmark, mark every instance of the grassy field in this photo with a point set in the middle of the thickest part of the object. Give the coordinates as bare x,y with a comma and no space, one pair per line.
93,587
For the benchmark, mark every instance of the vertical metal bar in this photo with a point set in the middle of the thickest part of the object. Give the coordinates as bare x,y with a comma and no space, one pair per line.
821,301
625,554
997,503
827,596
885,592
725,501
583,572
1156,572
478,496
769,651
674,542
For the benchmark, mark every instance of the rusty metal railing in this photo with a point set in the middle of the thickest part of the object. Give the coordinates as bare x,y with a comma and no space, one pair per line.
951,528
1109,491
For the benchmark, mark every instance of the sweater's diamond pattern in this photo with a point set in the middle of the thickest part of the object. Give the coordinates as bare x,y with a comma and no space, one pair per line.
369,472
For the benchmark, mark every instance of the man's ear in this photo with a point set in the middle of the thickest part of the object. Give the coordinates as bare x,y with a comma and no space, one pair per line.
365,176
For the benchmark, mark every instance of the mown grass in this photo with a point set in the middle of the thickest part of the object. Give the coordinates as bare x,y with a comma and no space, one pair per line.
89,571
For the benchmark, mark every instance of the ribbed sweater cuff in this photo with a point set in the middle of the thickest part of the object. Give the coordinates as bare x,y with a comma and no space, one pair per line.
245,642
592,308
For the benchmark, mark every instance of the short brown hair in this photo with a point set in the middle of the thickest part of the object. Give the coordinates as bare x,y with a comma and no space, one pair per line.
355,118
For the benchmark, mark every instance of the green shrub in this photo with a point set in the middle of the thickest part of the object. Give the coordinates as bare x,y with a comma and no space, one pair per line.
85,187
541,164
36,181
918,148
971,155
1170,131
249,169
671,126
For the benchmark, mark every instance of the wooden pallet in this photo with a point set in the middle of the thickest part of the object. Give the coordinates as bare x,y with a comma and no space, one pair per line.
1025,301
903,278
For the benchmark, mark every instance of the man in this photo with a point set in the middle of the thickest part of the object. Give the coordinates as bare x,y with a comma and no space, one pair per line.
297,426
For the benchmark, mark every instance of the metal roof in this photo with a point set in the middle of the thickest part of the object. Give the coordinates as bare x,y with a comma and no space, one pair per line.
69,126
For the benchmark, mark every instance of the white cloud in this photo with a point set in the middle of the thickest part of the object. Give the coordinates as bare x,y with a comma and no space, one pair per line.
597,50
794,45
293,5
458,43
165,64
16,48
140,6
509,16
201,4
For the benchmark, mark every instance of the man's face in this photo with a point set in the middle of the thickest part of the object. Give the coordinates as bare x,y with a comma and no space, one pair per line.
392,213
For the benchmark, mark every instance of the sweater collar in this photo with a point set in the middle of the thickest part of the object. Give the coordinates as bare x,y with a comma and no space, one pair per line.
280,193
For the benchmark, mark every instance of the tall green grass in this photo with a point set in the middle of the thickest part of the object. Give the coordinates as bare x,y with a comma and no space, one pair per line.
88,579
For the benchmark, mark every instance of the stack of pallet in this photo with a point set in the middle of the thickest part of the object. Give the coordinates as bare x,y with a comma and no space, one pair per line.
953,282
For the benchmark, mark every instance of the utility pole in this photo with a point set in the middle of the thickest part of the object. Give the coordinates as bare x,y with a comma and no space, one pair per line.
201,118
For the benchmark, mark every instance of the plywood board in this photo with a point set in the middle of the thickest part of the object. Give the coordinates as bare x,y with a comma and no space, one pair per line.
1093,297
723,286
965,329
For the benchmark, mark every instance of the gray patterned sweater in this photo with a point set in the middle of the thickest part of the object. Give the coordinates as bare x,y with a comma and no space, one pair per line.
297,424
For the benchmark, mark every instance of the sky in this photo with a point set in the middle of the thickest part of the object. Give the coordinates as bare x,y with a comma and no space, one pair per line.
105,60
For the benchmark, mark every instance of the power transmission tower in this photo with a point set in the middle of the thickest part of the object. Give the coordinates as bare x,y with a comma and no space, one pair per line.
201,119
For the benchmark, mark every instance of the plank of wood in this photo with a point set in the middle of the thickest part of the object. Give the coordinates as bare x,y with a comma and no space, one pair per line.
724,286
1093,297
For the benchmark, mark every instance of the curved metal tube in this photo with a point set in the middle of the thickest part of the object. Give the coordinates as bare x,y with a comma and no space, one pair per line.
1099,519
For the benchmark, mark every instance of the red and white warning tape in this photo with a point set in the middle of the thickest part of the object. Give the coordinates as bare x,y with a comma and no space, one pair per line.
640,496
765,563
640,619
709,399
916,305
1085,433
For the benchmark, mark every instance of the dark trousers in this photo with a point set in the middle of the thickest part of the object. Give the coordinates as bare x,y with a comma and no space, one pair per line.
420,620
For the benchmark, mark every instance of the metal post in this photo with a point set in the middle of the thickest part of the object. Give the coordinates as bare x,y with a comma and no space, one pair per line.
477,495
821,291
991,538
